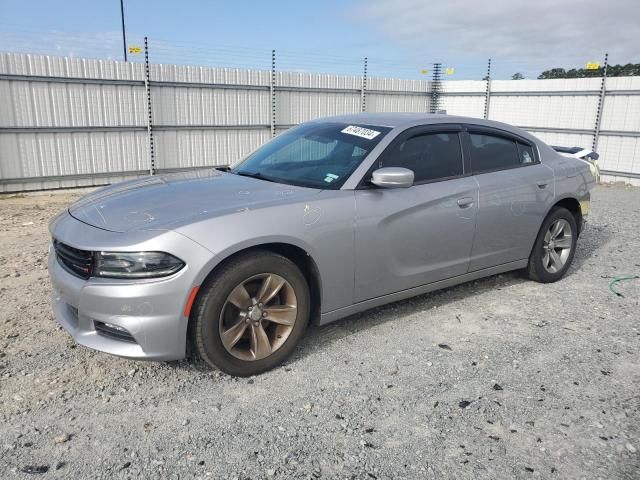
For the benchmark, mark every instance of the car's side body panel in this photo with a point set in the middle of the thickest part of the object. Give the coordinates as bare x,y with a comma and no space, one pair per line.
418,290
512,206
574,178
413,236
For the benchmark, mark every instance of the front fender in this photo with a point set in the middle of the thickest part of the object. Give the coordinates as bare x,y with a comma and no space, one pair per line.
323,228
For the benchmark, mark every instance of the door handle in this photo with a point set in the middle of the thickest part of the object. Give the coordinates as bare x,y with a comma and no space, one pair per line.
465,202
542,184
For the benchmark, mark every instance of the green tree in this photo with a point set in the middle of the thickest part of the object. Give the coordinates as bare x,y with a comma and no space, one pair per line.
517,76
628,70
553,73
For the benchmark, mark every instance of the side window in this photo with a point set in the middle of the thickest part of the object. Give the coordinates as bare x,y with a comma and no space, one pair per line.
526,154
489,152
431,156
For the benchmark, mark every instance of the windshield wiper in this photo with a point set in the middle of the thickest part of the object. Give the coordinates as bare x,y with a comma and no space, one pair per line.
257,175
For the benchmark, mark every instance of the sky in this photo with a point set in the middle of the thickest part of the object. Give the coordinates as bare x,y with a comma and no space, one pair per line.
400,37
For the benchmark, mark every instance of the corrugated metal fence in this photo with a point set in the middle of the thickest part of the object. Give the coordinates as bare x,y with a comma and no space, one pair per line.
564,112
72,122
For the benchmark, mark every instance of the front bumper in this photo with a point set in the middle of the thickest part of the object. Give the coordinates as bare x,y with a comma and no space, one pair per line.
151,311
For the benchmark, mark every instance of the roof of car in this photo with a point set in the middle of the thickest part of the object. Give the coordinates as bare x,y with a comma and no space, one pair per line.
397,119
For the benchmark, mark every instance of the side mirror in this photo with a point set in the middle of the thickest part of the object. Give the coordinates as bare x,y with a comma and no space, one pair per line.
393,177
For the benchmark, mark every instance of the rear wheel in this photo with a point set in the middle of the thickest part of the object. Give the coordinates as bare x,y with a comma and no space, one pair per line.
555,247
251,314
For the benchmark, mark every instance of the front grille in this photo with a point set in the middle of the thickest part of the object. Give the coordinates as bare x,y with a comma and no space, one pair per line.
75,261
115,332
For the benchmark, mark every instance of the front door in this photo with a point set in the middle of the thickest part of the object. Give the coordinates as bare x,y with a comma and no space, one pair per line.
407,237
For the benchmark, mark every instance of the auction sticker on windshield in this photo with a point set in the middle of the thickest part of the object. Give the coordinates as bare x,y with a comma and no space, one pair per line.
361,132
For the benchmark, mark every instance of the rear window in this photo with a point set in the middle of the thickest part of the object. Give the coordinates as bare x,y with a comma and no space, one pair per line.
493,152
526,154
490,152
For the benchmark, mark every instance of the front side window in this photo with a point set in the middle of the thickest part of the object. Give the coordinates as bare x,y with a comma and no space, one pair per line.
490,152
431,156
316,155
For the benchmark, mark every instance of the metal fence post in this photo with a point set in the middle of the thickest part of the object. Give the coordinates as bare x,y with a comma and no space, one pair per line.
272,90
147,87
487,93
363,91
124,33
436,88
600,108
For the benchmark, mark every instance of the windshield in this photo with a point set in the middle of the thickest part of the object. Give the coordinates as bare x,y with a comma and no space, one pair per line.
316,155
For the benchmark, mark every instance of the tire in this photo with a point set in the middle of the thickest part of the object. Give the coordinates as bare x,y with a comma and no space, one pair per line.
542,266
229,309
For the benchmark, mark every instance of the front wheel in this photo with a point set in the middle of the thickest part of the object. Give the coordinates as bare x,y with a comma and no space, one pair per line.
251,314
555,247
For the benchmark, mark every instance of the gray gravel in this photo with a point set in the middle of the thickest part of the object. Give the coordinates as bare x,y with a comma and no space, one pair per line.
498,378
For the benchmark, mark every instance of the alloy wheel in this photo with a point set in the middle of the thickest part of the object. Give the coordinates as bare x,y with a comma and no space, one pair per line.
258,316
557,245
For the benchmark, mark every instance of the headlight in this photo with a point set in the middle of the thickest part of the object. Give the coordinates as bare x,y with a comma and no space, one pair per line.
135,264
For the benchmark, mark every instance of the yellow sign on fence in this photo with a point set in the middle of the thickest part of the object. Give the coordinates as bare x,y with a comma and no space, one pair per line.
449,71
424,72
135,50
593,65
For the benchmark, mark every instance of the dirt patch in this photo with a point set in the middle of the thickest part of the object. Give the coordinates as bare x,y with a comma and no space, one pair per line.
498,378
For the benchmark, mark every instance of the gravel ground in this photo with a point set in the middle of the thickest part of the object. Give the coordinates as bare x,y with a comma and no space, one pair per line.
498,378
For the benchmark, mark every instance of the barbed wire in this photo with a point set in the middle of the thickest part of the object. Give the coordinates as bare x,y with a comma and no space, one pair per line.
31,39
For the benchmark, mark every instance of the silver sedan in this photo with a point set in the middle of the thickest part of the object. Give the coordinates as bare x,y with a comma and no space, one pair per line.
333,217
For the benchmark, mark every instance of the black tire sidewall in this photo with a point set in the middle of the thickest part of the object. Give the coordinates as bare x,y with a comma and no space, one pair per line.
212,298
536,268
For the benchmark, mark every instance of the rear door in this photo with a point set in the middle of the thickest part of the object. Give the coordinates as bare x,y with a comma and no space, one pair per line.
515,192
407,237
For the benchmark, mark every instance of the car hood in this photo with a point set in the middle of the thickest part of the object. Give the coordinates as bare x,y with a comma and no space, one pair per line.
168,201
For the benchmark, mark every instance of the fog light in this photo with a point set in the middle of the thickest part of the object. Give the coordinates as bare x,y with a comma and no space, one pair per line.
115,327
115,332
